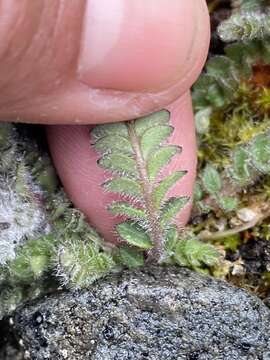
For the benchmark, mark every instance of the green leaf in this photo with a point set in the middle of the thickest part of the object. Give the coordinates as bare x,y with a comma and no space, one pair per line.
125,209
160,158
153,138
130,257
239,54
163,187
211,180
120,164
260,153
158,118
172,238
227,203
38,264
194,253
114,143
134,235
241,166
80,263
124,186
231,243
103,130
198,192
171,208
219,66
202,120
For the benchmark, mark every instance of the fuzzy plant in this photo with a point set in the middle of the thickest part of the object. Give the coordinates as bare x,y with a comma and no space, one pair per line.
46,244
134,154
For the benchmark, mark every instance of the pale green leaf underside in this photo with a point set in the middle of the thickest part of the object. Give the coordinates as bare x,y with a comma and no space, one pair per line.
125,209
124,186
120,164
164,186
134,235
211,180
103,130
159,118
153,138
171,208
159,159
114,143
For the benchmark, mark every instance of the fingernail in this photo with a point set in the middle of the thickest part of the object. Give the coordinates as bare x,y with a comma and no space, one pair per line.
136,45
101,31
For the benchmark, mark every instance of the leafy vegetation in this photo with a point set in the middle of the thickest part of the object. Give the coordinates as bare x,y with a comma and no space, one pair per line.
232,103
45,243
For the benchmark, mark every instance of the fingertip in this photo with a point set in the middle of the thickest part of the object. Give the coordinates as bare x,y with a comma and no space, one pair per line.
81,177
184,135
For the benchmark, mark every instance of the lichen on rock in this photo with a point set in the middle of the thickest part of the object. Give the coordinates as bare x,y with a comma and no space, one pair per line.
154,313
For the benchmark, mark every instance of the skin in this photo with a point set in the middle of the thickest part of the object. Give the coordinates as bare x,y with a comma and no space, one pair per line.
69,64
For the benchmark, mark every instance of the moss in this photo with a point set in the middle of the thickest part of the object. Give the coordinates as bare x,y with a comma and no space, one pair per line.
234,94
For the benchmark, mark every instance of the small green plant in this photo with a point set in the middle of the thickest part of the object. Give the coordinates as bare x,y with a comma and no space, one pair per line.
55,246
136,153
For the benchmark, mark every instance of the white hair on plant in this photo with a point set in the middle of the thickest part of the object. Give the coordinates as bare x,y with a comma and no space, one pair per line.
20,219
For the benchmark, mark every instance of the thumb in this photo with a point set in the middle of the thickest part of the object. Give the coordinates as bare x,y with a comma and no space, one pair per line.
86,62
150,53
97,61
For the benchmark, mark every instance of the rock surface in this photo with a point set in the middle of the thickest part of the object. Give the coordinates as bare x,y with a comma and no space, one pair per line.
153,313
9,347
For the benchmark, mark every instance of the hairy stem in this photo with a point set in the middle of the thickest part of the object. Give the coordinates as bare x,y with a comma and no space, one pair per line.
155,231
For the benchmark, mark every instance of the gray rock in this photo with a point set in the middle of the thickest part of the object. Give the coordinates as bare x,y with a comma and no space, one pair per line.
153,313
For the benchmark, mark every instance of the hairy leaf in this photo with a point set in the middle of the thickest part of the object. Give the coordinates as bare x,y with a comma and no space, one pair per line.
260,152
194,253
219,66
159,159
138,159
134,235
198,192
158,118
130,257
211,180
153,138
120,164
125,209
172,238
124,186
171,208
164,186
114,143
80,264
227,203
241,166
103,130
